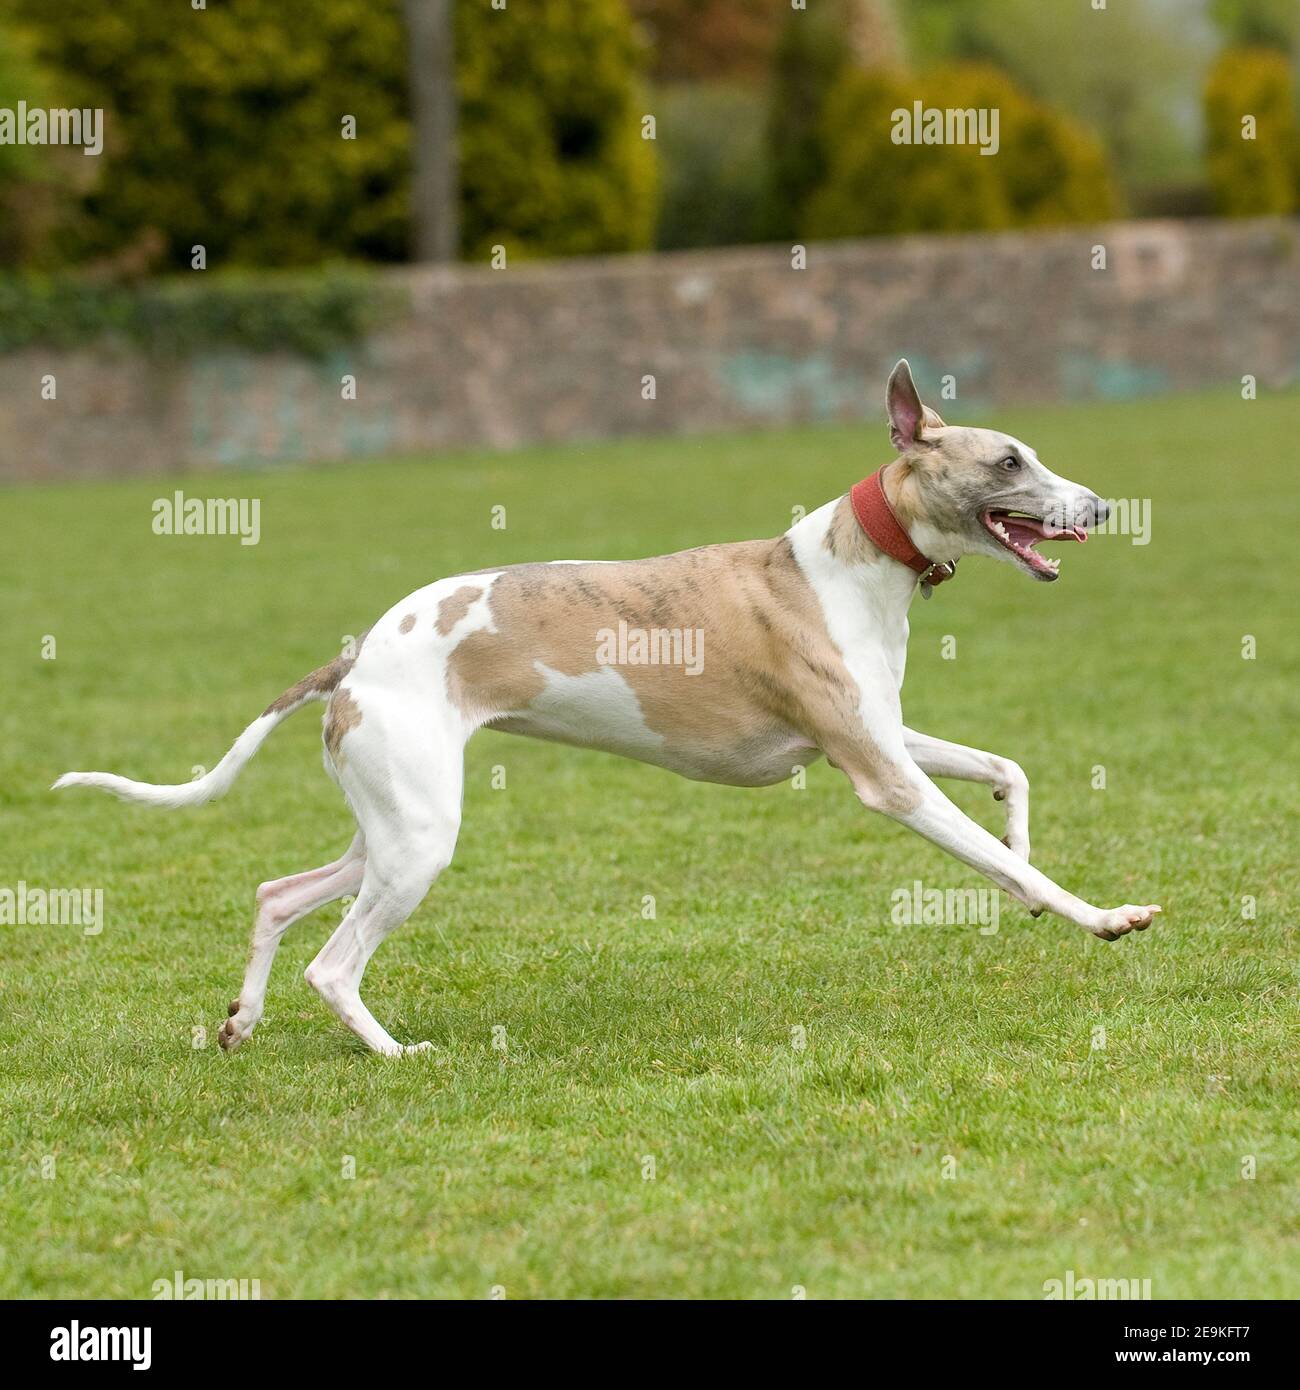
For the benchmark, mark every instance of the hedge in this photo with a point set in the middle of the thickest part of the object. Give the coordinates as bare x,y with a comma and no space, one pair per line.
225,127
1252,176
309,314
1047,169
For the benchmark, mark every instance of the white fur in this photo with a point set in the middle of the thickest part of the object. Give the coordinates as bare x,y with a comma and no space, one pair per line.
598,709
213,784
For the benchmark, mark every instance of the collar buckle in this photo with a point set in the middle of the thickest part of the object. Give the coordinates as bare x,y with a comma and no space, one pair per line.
936,574
939,571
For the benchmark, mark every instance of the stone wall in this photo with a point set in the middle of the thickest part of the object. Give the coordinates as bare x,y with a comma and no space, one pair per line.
733,339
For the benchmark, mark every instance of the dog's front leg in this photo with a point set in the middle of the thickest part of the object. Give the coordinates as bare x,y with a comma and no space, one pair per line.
939,758
900,790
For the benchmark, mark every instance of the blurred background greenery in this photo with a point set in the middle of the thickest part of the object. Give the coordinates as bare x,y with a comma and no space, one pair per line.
225,126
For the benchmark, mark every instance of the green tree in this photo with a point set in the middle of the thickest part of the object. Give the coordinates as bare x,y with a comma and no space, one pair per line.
1259,23
1047,169
552,156
1130,72
713,173
38,183
815,47
1251,138
231,127
873,187
225,127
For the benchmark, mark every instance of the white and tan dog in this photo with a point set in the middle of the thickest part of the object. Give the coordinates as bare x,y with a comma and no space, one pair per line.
799,647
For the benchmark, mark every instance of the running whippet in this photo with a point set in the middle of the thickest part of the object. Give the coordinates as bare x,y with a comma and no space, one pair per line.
806,643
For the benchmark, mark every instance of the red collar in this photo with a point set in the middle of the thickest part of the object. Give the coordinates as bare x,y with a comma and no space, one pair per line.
877,519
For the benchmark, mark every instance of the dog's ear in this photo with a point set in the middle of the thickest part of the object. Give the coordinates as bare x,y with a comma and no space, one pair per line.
907,416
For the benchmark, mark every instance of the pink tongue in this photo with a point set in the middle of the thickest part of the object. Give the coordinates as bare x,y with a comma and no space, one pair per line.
1020,532
1024,532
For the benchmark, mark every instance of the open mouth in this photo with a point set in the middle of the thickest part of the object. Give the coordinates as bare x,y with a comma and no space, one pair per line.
1019,534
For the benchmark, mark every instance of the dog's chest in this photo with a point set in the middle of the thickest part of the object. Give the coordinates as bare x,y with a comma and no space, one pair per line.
895,653
864,605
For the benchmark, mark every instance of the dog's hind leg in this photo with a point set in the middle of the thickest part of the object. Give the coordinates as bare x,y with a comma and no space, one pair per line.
281,903
403,773
939,758
388,897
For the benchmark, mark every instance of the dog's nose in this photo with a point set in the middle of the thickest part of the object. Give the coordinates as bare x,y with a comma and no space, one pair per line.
1100,511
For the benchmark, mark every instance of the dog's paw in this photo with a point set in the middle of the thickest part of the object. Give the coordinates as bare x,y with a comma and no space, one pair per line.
404,1050
238,1028
1119,921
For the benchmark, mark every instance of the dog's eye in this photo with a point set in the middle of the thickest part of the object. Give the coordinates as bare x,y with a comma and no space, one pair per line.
1009,464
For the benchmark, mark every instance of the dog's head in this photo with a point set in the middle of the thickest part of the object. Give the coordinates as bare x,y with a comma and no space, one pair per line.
961,491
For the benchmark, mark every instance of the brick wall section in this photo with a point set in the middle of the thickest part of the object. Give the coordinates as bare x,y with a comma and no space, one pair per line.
734,339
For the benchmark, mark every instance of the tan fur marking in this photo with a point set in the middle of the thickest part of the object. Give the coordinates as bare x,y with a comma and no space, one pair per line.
845,538
771,675
452,609
344,715
407,623
320,682
490,673
900,488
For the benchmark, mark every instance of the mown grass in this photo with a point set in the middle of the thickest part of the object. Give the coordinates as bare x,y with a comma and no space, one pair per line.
929,1050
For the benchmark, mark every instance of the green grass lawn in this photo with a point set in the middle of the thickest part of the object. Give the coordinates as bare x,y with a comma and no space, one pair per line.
951,1126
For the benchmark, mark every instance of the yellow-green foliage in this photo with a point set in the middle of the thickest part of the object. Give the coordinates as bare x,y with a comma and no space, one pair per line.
225,126
1250,176
552,155
1048,169
816,44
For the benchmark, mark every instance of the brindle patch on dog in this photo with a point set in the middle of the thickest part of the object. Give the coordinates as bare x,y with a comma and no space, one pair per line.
770,675
453,608
320,682
845,538
343,716
406,624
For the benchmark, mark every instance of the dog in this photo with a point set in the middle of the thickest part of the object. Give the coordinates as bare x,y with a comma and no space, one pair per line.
797,650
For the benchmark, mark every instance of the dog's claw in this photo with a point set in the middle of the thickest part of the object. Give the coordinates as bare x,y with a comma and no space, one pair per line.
232,1008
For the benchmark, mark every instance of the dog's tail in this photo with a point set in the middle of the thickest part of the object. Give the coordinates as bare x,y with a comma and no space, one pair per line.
320,685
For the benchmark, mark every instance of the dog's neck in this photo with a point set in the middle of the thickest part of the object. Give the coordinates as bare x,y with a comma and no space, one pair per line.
834,534
878,518
848,572
904,496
